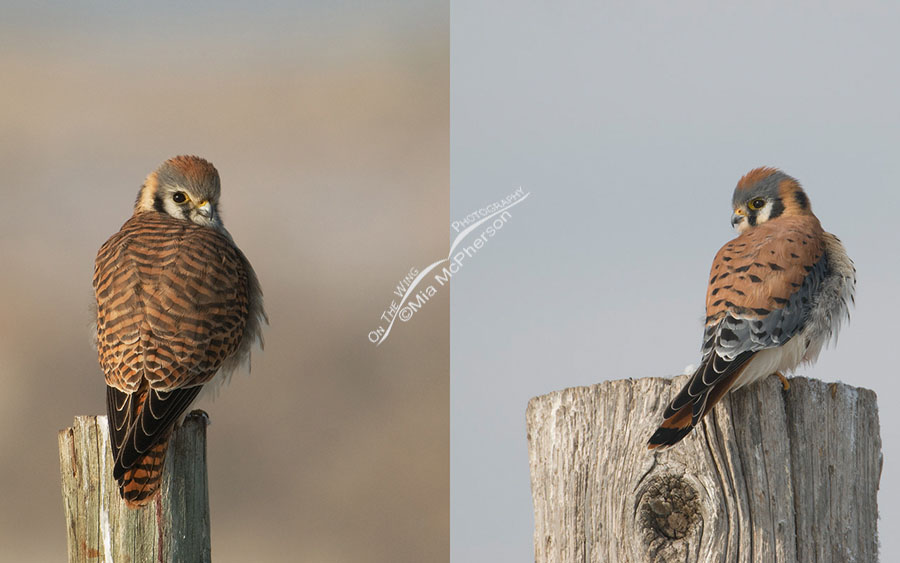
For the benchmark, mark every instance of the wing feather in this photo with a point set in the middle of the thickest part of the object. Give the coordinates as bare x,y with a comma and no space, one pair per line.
172,305
760,295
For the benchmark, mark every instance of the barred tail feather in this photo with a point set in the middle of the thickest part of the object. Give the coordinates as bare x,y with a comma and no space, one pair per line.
701,393
139,482
673,429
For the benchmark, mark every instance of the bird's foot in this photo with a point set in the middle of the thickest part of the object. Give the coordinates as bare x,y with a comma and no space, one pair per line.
200,413
784,381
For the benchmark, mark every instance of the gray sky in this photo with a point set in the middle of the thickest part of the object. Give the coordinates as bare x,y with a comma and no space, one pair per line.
630,125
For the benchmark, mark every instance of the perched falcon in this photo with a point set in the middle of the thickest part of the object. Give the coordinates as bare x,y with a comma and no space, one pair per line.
777,293
177,304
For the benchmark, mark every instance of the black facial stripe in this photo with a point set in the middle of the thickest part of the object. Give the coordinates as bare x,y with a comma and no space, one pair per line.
777,208
158,204
801,199
185,212
751,218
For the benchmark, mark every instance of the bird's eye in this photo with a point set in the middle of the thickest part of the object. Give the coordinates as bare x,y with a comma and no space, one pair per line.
179,197
757,203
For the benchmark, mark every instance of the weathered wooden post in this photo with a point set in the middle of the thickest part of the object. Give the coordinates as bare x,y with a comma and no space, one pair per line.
174,527
770,475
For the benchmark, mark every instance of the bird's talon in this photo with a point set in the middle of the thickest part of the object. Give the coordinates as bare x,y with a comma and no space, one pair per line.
784,382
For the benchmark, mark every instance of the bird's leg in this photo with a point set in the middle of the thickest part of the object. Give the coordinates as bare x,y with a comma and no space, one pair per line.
784,381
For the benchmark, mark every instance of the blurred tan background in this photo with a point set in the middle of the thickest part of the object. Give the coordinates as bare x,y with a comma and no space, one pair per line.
329,127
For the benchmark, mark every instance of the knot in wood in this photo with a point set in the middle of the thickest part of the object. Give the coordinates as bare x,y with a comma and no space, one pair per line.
669,507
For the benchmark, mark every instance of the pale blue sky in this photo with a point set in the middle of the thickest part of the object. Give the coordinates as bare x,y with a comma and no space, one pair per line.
630,123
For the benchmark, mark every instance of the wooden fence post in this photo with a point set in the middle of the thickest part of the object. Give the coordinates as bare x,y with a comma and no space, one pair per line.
770,475
173,527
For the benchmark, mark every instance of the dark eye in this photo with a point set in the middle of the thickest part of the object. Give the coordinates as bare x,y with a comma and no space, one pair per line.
179,197
757,203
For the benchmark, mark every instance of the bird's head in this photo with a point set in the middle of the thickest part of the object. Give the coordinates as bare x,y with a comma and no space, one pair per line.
764,194
185,187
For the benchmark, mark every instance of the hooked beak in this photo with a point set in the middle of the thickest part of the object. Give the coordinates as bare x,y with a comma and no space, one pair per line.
738,216
203,208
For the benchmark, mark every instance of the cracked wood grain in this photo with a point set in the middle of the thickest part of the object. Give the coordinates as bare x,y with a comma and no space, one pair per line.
101,528
771,475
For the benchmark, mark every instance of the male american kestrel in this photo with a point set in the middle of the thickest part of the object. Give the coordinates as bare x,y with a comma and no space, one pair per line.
777,293
177,304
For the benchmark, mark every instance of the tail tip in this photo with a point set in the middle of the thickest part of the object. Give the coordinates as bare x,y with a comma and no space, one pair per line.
137,497
665,437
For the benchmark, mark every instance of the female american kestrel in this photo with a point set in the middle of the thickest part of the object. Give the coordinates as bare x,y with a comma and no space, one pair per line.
177,304
777,293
